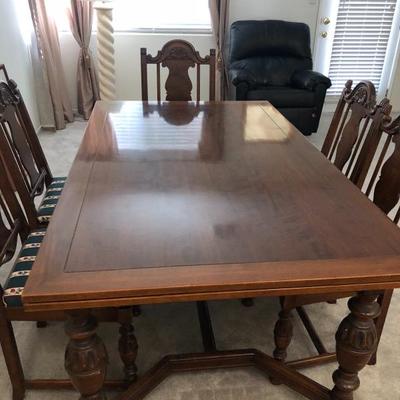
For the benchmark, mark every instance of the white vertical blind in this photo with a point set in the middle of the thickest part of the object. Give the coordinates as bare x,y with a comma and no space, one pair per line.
361,39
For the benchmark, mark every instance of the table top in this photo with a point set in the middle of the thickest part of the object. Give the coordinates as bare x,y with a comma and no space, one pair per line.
183,201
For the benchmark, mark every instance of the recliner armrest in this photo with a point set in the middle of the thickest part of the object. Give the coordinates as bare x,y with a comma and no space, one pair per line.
309,80
238,76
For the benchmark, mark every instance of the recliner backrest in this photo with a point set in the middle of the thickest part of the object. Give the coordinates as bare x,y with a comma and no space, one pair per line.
270,51
269,38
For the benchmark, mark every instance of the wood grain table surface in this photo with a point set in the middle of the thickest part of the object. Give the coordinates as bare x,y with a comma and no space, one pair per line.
183,201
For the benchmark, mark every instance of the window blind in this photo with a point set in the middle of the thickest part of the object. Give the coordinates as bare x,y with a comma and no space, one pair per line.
361,38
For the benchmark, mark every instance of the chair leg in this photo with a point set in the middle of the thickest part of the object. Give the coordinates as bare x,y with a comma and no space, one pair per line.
206,327
248,302
137,311
384,302
309,326
127,345
11,357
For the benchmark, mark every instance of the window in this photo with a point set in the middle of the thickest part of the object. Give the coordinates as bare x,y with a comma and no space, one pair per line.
167,16
361,42
162,15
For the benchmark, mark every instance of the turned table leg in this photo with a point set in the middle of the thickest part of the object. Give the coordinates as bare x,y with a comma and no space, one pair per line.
283,333
356,341
85,357
128,347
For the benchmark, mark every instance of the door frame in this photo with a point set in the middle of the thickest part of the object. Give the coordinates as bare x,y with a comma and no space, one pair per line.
392,57
323,46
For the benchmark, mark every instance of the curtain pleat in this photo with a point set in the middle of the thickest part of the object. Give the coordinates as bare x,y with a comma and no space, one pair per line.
219,10
80,17
54,104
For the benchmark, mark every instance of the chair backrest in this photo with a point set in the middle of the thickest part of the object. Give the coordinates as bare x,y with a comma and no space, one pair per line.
382,177
20,148
12,219
178,56
10,94
355,115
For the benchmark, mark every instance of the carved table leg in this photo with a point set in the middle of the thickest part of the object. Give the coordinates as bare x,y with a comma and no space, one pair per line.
283,334
356,341
85,357
128,347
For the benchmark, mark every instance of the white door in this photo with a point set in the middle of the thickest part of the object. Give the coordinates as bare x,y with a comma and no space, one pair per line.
324,34
365,46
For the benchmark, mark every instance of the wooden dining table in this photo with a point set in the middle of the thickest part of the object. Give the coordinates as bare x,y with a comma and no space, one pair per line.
178,202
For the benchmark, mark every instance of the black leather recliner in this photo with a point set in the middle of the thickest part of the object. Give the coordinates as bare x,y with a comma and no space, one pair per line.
271,60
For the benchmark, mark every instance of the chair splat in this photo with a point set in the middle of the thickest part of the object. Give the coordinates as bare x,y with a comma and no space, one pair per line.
349,125
387,189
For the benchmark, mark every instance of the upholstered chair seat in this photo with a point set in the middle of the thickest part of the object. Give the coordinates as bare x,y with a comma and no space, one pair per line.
50,200
15,284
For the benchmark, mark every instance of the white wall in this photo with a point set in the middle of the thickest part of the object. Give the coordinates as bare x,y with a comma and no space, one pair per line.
127,45
14,52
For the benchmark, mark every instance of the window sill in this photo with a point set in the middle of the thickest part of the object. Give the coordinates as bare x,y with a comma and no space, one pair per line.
160,32
332,98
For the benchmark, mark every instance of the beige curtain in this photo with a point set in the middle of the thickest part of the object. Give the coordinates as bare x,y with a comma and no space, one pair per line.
219,10
80,18
55,107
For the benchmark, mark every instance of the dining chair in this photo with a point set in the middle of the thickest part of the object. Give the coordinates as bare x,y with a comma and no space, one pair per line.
351,120
26,162
14,228
381,182
178,56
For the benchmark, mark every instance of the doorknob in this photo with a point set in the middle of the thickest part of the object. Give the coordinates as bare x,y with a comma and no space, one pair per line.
324,34
326,21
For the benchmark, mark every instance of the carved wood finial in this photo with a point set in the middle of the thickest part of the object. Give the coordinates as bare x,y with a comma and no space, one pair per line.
364,93
7,97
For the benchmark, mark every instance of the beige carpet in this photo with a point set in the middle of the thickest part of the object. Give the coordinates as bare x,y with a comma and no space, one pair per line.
174,328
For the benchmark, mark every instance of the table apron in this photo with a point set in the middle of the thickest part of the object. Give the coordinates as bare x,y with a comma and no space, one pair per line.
87,303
